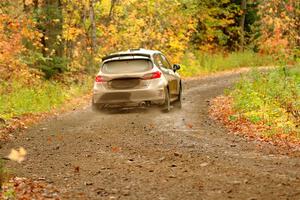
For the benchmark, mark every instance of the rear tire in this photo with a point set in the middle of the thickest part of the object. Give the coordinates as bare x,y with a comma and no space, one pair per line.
96,107
178,102
167,104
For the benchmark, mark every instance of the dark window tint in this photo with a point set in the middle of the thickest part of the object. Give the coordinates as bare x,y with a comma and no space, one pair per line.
165,62
157,60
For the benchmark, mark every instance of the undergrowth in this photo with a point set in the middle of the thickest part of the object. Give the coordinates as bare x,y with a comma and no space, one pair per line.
17,98
199,63
272,98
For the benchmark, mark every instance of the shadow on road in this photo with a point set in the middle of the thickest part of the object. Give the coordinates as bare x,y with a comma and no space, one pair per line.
137,110
125,110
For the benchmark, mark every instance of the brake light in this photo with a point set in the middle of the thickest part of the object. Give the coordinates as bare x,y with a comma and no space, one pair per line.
99,79
153,75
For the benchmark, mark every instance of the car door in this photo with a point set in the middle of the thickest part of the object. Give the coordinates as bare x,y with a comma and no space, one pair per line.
171,76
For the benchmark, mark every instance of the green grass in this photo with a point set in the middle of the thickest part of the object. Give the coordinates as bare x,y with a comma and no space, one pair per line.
18,99
272,97
194,64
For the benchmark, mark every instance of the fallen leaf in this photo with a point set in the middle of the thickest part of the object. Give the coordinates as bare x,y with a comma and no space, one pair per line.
203,164
189,125
49,140
115,149
76,169
17,155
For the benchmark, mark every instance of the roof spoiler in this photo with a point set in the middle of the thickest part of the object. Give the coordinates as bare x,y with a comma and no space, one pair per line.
124,55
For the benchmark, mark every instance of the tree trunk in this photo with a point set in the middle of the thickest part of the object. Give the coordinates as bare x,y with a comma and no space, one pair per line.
93,27
242,24
91,35
111,11
26,8
53,27
36,4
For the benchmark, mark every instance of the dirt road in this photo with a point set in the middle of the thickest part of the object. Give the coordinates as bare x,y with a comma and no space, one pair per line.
146,154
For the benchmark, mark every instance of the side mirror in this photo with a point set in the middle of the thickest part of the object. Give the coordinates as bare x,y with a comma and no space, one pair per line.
176,67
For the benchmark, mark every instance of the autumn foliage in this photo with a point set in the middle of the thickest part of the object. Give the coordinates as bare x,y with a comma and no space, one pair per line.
263,105
11,35
279,26
53,37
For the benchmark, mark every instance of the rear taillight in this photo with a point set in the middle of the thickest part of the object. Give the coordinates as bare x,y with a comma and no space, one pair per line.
153,75
99,79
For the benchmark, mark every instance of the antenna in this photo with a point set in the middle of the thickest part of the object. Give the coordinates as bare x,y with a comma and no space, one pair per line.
137,49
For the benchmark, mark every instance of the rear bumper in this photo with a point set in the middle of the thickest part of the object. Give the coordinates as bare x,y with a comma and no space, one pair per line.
129,96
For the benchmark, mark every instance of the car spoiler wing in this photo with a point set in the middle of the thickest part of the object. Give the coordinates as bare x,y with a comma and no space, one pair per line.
124,55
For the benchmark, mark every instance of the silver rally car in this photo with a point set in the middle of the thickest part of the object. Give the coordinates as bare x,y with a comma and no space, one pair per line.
137,77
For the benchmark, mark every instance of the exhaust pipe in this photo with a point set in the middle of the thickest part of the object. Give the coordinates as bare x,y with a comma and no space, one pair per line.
148,103
143,104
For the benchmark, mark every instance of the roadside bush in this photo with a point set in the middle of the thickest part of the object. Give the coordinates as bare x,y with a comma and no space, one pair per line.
53,66
271,97
17,98
4,175
198,63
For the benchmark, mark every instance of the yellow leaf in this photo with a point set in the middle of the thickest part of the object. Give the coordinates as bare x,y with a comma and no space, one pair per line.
17,155
56,20
28,2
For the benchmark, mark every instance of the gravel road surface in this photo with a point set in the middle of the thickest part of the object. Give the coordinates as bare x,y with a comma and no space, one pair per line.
146,154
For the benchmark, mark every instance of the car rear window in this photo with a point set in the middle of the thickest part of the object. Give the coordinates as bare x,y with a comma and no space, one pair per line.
126,66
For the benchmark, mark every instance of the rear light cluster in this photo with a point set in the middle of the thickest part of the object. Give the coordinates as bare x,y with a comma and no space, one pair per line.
154,75
99,79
